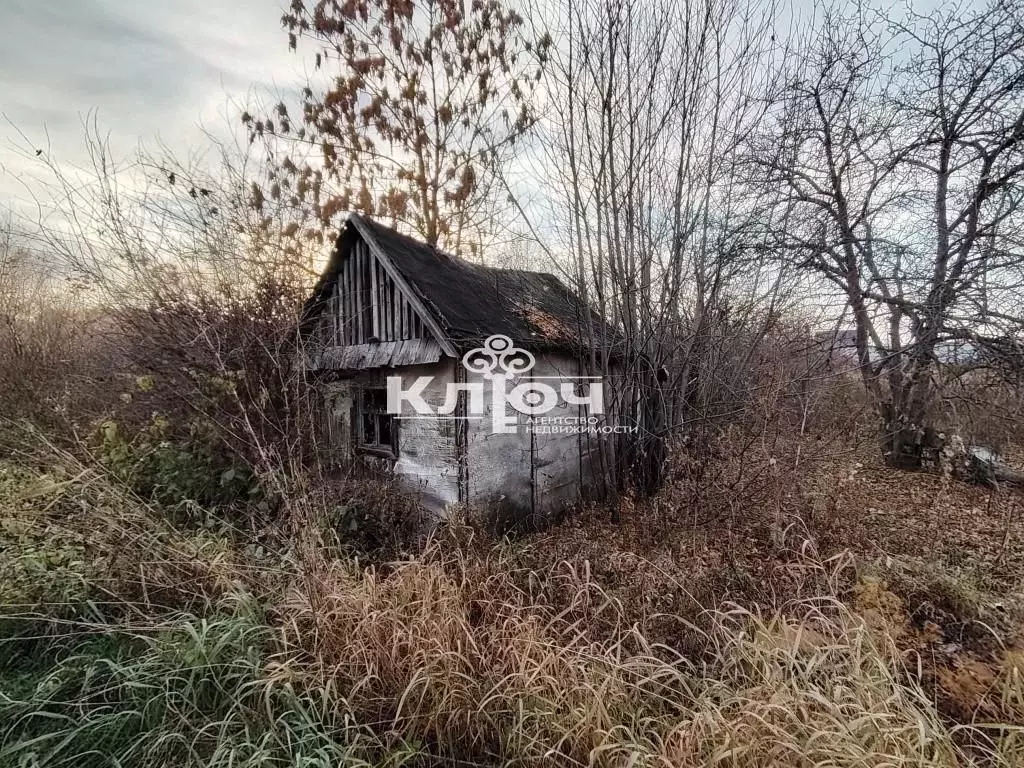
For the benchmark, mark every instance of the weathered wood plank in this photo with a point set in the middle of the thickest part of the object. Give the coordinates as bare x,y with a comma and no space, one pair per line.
389,311
353,318
346,269
375,330
342,308
361,292
348,300
371,302
385,313
385,354
368,264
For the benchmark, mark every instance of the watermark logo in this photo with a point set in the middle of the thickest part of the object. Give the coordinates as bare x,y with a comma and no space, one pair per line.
499,364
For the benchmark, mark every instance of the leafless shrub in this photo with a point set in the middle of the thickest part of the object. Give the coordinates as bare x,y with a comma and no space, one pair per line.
197,294
43,340
984,408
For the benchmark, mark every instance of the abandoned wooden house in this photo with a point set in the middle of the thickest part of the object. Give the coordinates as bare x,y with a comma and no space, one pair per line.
482,368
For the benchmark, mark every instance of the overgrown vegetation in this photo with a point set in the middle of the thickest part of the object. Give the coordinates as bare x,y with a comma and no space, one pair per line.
131,639
189,577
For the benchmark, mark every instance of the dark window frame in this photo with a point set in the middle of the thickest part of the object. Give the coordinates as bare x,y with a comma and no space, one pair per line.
376,430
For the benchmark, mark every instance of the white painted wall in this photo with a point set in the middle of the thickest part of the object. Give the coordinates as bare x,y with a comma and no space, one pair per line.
508,476
527,473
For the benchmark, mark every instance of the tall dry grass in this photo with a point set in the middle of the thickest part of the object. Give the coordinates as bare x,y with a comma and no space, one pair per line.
455,656
487,664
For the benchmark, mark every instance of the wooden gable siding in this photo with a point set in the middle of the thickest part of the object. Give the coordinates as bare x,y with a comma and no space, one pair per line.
367,306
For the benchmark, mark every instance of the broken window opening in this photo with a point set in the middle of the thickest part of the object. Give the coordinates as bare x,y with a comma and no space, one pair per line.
376,429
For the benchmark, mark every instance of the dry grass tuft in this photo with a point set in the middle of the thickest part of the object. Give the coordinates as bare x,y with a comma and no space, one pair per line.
482,662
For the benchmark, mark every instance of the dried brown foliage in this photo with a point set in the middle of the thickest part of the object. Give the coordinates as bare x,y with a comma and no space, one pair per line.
413,107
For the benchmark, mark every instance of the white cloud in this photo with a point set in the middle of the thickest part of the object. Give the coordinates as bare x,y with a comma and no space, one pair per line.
150,71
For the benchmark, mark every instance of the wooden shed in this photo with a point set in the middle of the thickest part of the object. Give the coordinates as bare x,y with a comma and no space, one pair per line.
470,383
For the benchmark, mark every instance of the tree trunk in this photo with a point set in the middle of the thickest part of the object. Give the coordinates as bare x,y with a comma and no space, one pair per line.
907,442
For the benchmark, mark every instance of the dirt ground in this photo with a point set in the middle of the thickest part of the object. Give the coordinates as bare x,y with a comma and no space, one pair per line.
938,561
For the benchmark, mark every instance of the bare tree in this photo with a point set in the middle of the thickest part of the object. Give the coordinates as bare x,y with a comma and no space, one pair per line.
896,147
649,103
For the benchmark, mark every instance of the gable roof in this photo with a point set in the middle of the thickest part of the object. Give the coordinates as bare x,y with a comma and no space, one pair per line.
466,302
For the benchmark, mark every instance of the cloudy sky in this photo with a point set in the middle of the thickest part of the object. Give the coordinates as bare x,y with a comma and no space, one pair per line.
150,69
